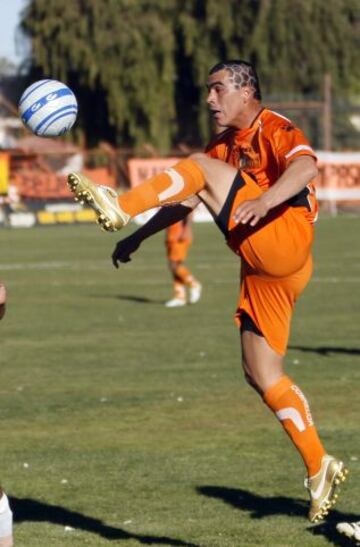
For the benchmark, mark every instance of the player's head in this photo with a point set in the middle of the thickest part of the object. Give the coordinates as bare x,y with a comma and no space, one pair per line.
241,73
233,88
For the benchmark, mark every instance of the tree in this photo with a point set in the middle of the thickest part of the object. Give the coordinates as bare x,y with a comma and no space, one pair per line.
139,67
118,55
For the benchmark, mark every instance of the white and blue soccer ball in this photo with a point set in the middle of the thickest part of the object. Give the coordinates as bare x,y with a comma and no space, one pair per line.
48,108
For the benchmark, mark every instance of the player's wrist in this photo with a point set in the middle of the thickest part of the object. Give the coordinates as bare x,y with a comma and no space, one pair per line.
267,201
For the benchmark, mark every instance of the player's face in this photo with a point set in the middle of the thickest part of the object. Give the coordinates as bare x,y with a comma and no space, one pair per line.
226,101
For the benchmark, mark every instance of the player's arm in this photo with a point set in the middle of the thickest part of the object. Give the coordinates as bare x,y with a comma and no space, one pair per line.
2,300
166,216
297,175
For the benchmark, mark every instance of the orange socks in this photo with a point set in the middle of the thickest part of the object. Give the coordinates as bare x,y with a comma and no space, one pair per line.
184,275
172,186
287,401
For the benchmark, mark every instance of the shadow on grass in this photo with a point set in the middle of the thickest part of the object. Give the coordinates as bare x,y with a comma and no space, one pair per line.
130,298
326,350
29,510
260,507
139,299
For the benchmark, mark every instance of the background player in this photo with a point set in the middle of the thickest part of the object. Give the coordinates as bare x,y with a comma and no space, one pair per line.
256,181
6,539
187,288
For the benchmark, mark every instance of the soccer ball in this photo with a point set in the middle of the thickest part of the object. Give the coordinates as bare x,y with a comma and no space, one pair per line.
48,108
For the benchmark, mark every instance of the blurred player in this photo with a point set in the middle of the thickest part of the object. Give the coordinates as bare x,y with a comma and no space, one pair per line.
6,538
256,181
178,240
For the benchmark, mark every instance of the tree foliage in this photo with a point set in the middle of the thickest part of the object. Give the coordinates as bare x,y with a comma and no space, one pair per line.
139,67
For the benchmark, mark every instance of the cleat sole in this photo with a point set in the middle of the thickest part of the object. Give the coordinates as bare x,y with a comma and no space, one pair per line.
340,477
83,195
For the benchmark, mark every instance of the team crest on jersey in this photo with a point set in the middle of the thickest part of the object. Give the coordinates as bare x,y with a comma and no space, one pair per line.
248,158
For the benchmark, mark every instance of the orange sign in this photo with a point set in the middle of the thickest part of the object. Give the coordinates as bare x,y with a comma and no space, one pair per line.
4,172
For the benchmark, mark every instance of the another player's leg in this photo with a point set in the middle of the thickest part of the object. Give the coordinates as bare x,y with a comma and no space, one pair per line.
350,530
189,282
264,370
178,241
195,290
6,536
183,280
179,296
174,185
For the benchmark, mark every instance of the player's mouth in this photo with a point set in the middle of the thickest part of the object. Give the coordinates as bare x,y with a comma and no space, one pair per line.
215,113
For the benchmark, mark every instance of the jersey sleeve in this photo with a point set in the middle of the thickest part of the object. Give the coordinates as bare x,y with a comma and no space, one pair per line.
218,147
289,143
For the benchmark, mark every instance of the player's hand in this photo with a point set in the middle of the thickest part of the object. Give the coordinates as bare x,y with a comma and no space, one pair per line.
124,249
250,212
2,300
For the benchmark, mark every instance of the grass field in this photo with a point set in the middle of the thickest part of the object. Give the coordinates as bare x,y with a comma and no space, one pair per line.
127,423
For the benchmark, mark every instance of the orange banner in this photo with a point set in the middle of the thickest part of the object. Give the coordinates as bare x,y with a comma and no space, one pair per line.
43,184
338,182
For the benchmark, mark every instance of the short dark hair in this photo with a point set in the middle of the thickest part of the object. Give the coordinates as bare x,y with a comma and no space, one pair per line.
243,74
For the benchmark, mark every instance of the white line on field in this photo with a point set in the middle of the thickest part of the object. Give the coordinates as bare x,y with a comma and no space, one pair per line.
105,264
90,265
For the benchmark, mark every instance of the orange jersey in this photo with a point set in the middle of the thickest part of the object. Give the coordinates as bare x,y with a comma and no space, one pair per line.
264,151
276,253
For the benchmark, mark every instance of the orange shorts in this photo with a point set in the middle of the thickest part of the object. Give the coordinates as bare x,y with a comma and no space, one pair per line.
276,265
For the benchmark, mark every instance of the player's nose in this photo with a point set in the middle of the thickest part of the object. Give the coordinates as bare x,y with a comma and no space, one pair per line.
211,98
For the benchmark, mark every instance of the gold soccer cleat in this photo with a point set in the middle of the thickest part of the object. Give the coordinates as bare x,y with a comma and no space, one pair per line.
102,199
322,487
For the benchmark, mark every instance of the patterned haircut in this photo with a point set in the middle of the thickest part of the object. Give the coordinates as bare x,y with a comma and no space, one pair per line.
241,74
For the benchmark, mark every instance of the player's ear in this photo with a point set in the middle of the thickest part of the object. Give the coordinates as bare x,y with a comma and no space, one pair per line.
247,92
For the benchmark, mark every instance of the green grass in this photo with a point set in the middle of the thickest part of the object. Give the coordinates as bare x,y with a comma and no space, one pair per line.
134,421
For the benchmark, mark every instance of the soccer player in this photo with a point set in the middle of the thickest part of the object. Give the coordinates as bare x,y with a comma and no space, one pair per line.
178,241
256,180
6,538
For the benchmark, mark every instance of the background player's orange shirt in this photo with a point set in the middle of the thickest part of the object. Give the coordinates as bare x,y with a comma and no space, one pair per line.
264,151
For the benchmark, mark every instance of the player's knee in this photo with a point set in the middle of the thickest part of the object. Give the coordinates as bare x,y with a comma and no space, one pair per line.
199,157
202,160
